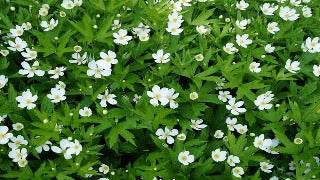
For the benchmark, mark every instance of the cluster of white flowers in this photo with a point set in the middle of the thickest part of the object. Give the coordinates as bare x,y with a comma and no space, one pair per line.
164,96
67,148
142,31
263,100
266,145
58,93
103,66
174,23
232,125
69,4
17,154
44,10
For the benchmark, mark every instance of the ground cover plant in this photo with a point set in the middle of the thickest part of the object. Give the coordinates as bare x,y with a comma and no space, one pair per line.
159,89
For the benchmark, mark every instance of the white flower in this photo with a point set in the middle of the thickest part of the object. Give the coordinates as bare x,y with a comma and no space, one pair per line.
269,48
229,48
30,71
234,106
74,147
57,95
174,29
17,45
254,67
185,158
268,9
17,126
233,160
231,123
22,163
29,54
107,59
306,12
157,95
60,85
218,134
116,24
311,45
181,137
237,171
121,37
292,67
49,26
197,124
193,96
288,14
224,96
185,2
141,30
18,154
242,5
262,102
98,71
85,112
273,27
4,135
316,71
16,32
64,144
171,96
4,52
27,100
243,40
201,30
2,118
160,57
77,2
77,58
44,146
199,57
58,71
3,81
43,11
295,2
107,97
274,178
270,149
241,128
176,6
26,26
166,134
242,24
266,167
143,36
17,141
67,4
218,155
136,98
104,169
262,143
